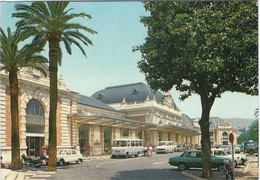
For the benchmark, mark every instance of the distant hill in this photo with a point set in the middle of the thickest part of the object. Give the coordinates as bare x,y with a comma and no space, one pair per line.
239,122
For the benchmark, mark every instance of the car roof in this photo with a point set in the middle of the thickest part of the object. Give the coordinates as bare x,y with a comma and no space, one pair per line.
217,148
193,151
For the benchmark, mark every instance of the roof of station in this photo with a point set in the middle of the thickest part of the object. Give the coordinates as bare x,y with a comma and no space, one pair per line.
129,92
90,101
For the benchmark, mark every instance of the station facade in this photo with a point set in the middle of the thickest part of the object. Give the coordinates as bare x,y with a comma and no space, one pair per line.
126,111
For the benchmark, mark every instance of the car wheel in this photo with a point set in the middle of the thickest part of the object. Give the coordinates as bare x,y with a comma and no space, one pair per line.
79,161
221,167
243,161
61,162
182,166
236,164
137,155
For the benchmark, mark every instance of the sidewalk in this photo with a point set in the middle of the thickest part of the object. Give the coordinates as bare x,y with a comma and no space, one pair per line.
27,171
249,171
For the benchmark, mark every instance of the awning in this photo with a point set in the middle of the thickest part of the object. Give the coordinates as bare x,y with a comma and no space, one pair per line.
116,121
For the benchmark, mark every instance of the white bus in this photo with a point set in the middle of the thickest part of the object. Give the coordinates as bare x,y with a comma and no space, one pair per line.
127,147
166,147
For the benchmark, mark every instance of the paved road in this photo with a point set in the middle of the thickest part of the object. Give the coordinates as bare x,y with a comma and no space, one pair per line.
142,168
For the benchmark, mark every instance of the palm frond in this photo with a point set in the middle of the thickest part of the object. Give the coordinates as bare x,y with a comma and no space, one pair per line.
67,44
80,36
78,27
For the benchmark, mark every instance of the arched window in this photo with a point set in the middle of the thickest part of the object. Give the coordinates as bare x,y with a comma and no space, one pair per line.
34,108
34,117
34,127
225,138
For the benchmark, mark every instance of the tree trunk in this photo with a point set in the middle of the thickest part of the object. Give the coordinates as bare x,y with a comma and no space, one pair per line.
15,139
205,138
53,69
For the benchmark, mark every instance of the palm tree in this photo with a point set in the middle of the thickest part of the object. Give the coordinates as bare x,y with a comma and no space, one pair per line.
50,22
12,60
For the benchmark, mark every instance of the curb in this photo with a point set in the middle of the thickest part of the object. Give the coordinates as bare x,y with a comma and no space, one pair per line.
89,158
191,176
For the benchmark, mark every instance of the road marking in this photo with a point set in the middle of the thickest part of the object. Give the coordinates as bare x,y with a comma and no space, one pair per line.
159,163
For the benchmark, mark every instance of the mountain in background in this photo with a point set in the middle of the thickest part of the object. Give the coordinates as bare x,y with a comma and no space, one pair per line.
239,122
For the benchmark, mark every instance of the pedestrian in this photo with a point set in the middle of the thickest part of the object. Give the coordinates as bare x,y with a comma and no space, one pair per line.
43,155
78,148
150,149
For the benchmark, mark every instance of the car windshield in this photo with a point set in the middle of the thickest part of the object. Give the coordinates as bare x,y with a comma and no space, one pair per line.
182,154
161,144
227,151
119,144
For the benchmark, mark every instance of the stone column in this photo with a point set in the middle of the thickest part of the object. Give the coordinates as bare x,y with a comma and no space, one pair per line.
102,138
143,137
91,140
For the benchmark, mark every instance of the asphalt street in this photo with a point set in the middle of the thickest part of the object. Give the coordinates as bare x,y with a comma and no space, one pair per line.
133,168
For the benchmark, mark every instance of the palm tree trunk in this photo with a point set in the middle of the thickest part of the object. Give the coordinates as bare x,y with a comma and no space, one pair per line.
205,138
15,139
53,69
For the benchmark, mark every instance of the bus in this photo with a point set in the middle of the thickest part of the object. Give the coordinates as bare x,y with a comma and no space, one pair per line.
127,147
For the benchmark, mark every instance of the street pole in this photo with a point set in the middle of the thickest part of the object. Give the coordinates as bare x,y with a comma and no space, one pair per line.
233,164
231,140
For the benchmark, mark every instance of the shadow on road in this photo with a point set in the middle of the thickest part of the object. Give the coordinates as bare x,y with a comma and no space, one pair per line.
153,174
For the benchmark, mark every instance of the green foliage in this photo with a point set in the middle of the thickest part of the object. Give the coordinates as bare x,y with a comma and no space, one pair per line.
253,131
243,137
206,48
46,20
201,47
12,58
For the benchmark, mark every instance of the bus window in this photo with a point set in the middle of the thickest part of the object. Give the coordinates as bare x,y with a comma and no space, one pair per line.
119,144
132,143
128,143
136,143
140,143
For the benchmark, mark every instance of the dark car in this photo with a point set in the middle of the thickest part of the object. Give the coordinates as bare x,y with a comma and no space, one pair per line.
193,158
250,147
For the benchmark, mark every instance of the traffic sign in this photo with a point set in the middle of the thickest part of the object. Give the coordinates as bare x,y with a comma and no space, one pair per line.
231,138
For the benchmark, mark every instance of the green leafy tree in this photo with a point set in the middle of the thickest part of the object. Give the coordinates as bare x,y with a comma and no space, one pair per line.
51,22
12,60
243,137
253,131
204,48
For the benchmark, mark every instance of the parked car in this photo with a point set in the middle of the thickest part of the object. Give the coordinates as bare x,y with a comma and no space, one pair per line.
193,158
220,152
250,147
236,149
166,147
67,156
180,148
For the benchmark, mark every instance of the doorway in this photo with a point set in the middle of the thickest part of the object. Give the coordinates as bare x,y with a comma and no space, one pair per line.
34,145
107,140
83,139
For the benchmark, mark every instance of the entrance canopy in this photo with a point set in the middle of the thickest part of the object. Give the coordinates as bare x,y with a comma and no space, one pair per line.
116,121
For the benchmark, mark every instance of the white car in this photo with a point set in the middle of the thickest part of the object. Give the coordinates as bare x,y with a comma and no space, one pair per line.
166,147
220,152
68,155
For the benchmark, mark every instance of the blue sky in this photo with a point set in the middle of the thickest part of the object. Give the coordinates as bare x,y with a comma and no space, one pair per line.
111,60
